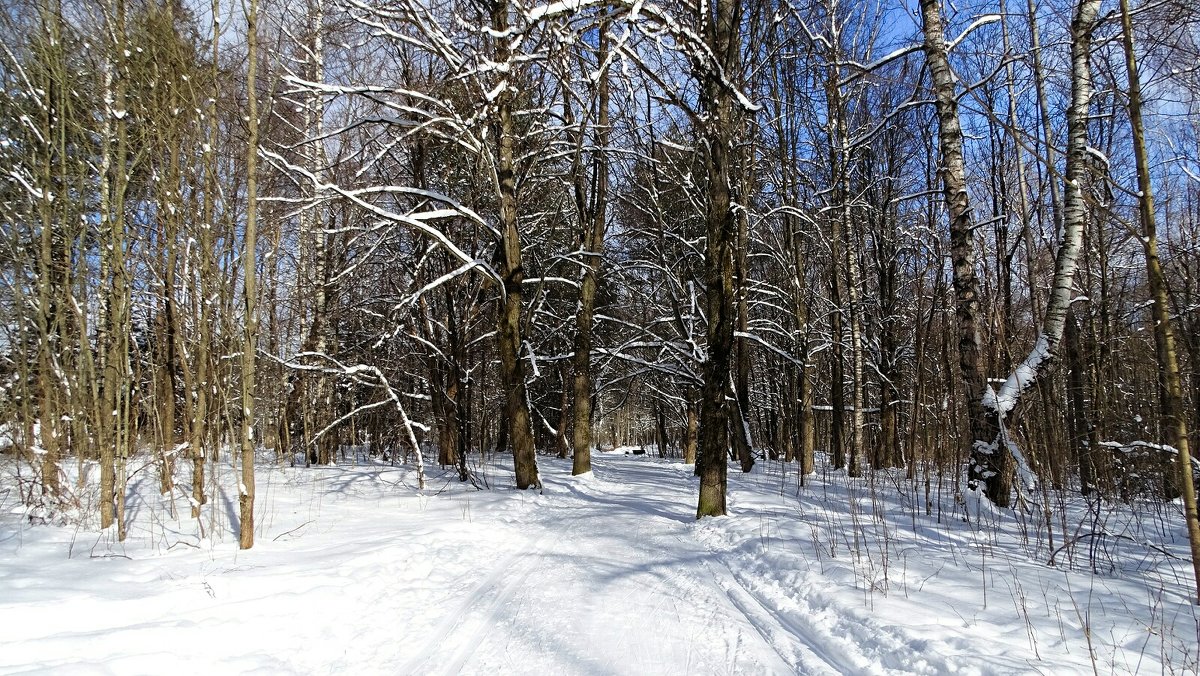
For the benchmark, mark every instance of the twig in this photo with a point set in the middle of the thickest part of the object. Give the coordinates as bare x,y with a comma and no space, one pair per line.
290,531
1102,534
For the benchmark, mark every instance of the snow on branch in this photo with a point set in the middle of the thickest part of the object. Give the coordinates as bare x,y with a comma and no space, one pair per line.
978,23
415,220
1133,446
372,375
36,193
689,41
1021,379
863,69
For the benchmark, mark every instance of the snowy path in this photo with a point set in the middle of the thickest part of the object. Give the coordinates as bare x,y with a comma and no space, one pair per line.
355,572
592,550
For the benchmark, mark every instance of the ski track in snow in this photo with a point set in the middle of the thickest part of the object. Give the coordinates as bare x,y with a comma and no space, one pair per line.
602,574
468,624
603,513
795,642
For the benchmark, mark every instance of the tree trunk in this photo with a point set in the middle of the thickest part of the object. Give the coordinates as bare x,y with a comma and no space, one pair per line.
512,371
168,374
564,402
837,384
593,220
789,414
742,440
582,409
1039,81
808,431
1077,409
986,468
857,359
208,221
249,287
721,35
1000,406
1173,413
689,438
660,419
316,402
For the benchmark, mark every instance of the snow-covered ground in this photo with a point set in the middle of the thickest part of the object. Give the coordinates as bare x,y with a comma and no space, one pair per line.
356,572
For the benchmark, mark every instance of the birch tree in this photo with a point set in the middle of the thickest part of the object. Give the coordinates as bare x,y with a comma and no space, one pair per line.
992,451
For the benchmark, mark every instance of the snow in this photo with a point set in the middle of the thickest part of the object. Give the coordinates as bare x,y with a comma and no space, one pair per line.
354,570
1022,377
978,23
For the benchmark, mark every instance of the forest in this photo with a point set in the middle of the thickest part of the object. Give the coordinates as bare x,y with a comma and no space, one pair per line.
957,245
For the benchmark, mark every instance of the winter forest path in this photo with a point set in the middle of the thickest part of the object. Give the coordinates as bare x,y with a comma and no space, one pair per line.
356,572
611,578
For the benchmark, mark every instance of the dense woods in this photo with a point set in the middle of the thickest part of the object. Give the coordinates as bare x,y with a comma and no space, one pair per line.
960,243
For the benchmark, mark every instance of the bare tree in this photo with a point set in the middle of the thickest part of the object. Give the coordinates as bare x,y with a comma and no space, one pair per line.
719,26
992,451
591,207
1175,418
249,289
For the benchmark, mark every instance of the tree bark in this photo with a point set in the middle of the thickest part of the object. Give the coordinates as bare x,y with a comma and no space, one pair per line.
1077,408
720,29
564,403
837,384
208,222
742,440
986,468
857,358
316,402
249,287
690,434
593,222
512,370
663,439
1173,412
1000,407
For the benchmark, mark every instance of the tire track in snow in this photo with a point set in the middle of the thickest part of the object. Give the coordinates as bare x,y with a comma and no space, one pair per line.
791,645
446,630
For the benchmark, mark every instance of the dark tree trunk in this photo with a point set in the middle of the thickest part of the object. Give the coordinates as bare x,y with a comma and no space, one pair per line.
593,216
1078,414
512,365
721,34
